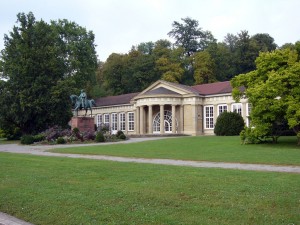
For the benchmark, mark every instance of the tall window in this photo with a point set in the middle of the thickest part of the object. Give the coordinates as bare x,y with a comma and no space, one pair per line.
222,108
237,107
209,117
106,120
131,121
114,121
122,121
248,111
99,120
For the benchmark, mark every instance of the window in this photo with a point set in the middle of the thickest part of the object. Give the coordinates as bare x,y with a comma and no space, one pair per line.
131,121
167,122
248,111
106,120
122,121
114,122
209,117
99,120
237,107
222,108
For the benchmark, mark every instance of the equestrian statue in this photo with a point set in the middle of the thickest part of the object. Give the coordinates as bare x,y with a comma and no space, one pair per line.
81,102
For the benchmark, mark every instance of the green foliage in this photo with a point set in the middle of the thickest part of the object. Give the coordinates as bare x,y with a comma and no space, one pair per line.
274,91
44,64
2,133
119,132
76,130
27,139
99,137
60,140
122,137
229,124
189,36
39,137
204,68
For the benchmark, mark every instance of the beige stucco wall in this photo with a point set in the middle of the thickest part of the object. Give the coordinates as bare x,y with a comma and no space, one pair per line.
189,111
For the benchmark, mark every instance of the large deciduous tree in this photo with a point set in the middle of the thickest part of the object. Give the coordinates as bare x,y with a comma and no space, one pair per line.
189,36
273,89
43,64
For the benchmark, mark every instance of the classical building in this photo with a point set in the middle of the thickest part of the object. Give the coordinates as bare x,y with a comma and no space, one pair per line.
191,110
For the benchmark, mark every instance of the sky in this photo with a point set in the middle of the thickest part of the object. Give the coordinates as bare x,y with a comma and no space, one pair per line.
120,24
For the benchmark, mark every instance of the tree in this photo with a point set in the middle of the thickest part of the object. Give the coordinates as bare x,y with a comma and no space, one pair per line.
204,68
41,73
189,36
273,89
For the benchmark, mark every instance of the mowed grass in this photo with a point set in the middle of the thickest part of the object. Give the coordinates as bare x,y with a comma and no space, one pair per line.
4,141
204,148
46,190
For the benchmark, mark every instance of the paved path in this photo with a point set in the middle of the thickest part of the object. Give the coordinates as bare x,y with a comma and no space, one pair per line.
42,151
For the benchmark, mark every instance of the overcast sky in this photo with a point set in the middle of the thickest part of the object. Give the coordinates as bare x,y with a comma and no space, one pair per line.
119,24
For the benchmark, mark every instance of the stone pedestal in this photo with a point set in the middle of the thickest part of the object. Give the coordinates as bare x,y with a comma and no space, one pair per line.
83,123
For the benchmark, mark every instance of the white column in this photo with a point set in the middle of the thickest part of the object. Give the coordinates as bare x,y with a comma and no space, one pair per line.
150,131
126,123
162,119
173,119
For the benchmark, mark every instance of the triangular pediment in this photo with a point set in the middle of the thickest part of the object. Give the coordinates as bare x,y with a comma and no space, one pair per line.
164,88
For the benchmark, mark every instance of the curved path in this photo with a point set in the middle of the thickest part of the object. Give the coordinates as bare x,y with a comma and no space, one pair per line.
42,151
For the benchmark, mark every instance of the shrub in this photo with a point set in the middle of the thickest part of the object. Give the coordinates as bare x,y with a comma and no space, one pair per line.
88,135
119,133
39,137
229,124
27,140
76,130
99,137
60,140
122,136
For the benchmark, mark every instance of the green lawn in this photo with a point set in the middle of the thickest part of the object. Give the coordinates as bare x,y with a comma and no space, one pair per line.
46,190
3,141
204,148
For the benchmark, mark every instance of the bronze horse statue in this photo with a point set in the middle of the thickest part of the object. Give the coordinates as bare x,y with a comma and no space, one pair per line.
82,104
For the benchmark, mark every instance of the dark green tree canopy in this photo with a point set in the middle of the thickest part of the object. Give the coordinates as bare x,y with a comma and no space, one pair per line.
43,64
189,36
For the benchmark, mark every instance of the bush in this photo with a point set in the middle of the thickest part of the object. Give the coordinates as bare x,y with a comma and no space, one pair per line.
88,136
76,130
119,133
229,124
99,137
27,140
60,140
122,136
39,137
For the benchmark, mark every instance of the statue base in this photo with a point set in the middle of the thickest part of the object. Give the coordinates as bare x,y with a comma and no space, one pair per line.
84,124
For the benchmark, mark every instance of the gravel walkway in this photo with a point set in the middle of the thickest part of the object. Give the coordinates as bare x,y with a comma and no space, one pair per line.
42,151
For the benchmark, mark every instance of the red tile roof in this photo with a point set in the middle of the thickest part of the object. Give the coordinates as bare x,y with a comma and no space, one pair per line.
213,88
201,89
115,100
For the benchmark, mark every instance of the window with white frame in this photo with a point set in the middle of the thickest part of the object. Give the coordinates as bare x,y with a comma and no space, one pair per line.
248,111
131,121
222,108
209,116
114,121
237,107
122,121
106,120
99,120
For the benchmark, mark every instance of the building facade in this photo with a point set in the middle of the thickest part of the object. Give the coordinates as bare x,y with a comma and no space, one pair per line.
168,108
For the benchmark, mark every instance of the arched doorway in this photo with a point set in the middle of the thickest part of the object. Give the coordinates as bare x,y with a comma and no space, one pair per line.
167,122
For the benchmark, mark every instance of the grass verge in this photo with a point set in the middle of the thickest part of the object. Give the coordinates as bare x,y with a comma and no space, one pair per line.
204,148
45,190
